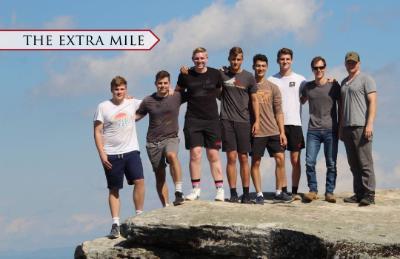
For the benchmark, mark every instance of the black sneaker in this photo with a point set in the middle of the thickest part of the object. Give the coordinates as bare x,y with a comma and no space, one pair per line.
367,200
260,200
283,197
178,199
352,199
246,199
114,233
234,199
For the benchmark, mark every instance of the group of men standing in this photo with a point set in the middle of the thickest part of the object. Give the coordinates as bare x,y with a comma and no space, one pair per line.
256,113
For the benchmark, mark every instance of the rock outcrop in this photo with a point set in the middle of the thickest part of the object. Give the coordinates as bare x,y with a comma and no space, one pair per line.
204,229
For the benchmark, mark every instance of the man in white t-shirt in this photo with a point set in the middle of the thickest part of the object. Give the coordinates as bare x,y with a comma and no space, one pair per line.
117,144
290,85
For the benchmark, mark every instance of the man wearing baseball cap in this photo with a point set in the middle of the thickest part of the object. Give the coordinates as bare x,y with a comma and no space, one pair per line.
358,101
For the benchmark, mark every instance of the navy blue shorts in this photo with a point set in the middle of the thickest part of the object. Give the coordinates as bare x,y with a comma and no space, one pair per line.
128,164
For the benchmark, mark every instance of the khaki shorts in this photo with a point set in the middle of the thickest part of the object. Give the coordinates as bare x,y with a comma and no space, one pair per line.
157,151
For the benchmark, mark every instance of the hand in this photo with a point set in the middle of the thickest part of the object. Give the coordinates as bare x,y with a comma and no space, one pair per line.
283,140
184,70
128,97
171,92
368,132
340,134
255,129
331,80
105,162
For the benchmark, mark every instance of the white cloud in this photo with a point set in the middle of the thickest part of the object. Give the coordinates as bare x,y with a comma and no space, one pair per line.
19,226
82,223
60,22
217,27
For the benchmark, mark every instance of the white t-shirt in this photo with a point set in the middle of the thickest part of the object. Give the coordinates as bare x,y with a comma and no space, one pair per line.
119,128
290,87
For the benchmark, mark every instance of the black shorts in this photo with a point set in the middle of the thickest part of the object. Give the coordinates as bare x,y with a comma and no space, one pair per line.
272,143
128,164
202,133
295,139
236,136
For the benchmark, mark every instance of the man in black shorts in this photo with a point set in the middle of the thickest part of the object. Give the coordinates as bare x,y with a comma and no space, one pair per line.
272,132
162,135
239,90
202,127
118,148
290,85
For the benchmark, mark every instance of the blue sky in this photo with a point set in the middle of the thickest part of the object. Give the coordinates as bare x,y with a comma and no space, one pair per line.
52,192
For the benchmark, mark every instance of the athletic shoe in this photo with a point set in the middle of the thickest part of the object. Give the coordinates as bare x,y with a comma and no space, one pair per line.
178,199
367,200
283,197
246,199
310,196
114,233
352,199
234,199
220,196
260,200
296,197
330,197
194,195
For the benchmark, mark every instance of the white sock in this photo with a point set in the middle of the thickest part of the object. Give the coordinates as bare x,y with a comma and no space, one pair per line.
278,192
138,212
115,220
178,186
260,194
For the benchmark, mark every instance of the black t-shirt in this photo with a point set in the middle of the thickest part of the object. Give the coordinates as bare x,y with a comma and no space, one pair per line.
202,91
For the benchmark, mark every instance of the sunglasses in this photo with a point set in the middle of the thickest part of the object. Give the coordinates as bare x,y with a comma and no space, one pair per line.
318,68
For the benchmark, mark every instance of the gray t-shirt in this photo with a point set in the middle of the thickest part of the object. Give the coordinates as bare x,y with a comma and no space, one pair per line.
163,112
322,101
236,92
355,99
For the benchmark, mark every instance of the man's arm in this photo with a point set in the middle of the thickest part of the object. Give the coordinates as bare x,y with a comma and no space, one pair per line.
256,111
369,128
98,139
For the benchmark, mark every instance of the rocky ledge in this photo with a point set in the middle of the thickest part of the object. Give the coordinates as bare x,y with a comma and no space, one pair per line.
204,229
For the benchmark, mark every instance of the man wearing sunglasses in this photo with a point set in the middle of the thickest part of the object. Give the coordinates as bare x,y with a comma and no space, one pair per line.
358,94
323,97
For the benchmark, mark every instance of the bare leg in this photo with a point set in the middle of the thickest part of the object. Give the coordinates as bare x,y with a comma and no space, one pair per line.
231,168
138,194
175,166
215,163
114,202
195,163
255,172
244,169
296,167
280,174
161,186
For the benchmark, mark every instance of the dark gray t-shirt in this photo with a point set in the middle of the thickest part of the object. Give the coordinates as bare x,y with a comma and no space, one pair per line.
322,100
163,112
355,99
236,92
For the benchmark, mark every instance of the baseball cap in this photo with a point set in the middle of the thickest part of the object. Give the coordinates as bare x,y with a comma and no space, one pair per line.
352,55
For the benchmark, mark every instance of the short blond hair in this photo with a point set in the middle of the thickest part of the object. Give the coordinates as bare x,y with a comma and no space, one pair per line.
199,50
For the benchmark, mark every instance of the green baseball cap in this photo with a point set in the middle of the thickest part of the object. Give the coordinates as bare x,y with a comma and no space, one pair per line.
352,55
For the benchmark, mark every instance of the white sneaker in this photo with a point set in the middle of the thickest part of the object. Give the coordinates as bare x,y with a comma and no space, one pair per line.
194,195
220,194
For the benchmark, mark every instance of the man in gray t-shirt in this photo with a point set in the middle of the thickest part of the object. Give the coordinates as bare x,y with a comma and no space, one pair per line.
323,97
162,135
239,87
358,95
